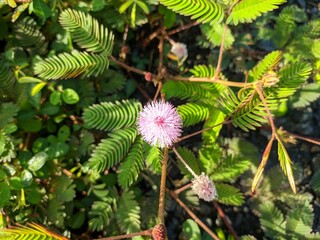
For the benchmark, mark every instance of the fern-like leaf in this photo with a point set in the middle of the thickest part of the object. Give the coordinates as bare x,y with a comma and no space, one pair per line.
129,169
193,113
66,65
229,195
87,32
7,81
31,231
267,63
272,220
305,95
230,168
128,213
248,10
191,160
152,156
201,10
100,214
112,150
28,35
214,35
112,116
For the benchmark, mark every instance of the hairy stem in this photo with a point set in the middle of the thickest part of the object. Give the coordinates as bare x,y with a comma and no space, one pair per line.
193,216
163,186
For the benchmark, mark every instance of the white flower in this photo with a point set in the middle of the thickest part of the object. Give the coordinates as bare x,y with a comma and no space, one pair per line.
180,50
204,188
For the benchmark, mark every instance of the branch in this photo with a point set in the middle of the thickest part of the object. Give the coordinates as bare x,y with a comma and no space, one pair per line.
130,235
193,216
184,27
163,186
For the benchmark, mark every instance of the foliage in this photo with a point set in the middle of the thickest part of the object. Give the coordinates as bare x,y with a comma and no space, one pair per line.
75,75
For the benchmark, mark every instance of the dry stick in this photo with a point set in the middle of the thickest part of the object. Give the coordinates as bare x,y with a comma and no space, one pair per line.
220,53
193,216
225,219
163,186
184,27
143,233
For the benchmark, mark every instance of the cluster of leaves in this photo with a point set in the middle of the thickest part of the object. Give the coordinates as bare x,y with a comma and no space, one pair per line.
70,154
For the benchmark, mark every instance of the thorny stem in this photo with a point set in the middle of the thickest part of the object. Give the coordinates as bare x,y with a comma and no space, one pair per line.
163,186
184,27
143,233
225,219
158,91
193,216
220,53
184,162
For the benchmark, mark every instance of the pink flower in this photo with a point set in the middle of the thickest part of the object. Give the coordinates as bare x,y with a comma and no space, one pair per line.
204,188
159,124
180,50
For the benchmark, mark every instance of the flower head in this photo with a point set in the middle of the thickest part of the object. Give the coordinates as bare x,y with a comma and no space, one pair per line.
159,124
180,50
204,187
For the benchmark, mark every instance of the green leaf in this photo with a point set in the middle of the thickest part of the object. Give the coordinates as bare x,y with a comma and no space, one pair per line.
229,195
128,214
37,88
55,98
64,133
64,188
153,157
3,175
7,113
248,10
191,230
70,96
98,5
143,6
131,166
285,163
271,220
37,161
315,182
29,80
125,5
201,10
41,9
189,157
5,194
15,183
26,178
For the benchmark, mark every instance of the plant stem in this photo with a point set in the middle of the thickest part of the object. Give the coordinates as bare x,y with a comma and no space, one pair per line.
201,131
220,53
225,219
130,235
129,68
163,186
184,163
184,27
207,79
314,141
179,190
193,216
